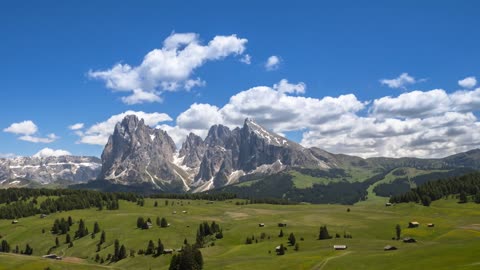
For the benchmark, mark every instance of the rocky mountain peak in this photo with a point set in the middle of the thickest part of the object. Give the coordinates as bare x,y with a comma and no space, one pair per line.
218,135
137,153
192,151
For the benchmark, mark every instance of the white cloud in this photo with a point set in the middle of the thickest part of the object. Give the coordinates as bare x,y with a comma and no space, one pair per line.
168,68
199,116
48,152
430,123
98,134
400,82
426,103
139,96
189,84
412,104
285,87
28,129
273,62
246,59
76,126
468,82
24,128
35,139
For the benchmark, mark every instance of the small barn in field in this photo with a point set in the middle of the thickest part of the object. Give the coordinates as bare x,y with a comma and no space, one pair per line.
168,251
340,247
409,240
388,204
261,224
388,248
14,221
431,225
413,224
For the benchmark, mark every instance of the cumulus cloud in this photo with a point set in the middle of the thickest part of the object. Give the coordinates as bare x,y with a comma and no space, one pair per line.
169,68
272,107
48,152
426,103
468,82
98,134
35,139
27,130
24,128
273,62
76,126
400,82
431,123
285,87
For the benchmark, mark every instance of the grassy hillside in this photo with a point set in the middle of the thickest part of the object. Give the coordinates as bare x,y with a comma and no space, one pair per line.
451,244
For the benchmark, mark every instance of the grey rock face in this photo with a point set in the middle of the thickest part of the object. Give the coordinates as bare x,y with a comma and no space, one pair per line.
249,149
192,151
46,170
137,153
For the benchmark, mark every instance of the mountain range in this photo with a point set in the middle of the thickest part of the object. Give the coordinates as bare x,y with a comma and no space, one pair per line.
139,155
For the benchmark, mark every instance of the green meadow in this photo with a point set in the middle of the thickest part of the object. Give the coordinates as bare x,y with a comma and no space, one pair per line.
454,242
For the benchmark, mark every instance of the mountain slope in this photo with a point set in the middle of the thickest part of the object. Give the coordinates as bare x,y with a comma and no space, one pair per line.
45,170
136,153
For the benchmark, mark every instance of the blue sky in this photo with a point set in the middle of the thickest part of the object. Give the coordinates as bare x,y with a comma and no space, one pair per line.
53,52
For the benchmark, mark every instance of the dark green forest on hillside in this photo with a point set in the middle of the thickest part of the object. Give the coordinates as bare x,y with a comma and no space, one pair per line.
467,187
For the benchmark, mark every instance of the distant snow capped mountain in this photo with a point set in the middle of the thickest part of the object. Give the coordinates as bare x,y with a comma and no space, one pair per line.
137,153
45,170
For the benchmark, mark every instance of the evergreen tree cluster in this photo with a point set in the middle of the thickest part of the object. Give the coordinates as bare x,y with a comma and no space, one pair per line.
189,259
82,229
119,252
465,185
62,226
323,234
205,230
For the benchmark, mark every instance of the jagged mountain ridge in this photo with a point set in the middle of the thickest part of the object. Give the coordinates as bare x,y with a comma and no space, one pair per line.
136,153
45,170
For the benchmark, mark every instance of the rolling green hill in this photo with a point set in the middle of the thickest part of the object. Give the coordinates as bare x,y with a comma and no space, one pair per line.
451,244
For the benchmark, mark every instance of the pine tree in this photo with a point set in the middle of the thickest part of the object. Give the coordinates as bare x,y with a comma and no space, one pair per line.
291,239
116,251
5,247
122,254
163,223
68,240
398,231
82,230
102,238
158,221
150,248
57,242
140,222
70,221
324,233
155,204
281,233
160,248
28,250
96,228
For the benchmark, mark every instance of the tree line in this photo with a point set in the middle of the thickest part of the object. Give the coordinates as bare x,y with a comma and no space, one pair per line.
466,185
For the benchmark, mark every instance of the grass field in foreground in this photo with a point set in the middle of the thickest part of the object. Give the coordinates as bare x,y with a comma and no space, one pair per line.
454,242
